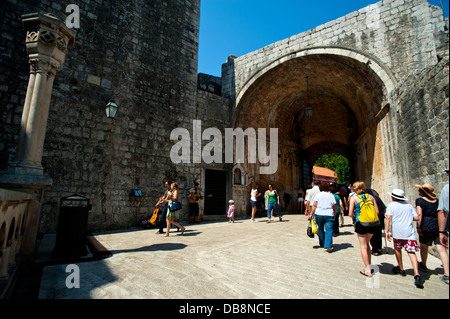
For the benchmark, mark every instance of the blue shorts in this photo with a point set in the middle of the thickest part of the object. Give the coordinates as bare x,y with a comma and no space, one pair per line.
253,203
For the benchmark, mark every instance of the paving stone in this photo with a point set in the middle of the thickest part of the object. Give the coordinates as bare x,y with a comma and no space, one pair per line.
244,260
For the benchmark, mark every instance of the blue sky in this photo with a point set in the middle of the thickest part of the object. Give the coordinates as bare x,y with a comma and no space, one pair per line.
237,27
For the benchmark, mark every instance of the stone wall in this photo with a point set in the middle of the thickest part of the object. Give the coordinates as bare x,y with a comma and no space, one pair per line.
402,42
421,118
399,34
142,53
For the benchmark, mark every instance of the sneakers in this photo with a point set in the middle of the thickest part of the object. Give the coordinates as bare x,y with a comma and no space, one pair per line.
444,278
418,282
396,270
422,267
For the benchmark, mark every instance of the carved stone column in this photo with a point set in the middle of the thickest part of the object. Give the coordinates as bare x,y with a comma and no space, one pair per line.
47,42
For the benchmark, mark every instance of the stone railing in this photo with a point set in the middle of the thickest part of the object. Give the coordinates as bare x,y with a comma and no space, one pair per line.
14,206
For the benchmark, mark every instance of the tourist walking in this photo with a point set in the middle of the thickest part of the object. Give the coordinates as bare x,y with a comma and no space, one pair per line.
344,192
273,203
300,200
254,199
399,218
362,229
164,200
231,208
428,226
339,220
443,222
351,193
376,242
173,211
324,211
309,200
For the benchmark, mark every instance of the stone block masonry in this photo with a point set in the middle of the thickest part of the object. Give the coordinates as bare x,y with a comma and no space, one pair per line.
392,54
424,101
142,53
402,35
405,45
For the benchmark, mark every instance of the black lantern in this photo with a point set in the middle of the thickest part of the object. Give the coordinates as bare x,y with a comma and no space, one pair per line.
111,108
309,110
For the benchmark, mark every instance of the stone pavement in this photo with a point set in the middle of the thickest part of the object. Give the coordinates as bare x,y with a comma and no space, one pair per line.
243,260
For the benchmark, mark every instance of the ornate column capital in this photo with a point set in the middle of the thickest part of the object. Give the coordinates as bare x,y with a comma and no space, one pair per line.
47,40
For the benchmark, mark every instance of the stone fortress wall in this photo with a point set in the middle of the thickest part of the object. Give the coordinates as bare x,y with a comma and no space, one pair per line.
405,45
145,53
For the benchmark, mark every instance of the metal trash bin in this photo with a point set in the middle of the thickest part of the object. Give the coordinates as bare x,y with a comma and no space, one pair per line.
71,236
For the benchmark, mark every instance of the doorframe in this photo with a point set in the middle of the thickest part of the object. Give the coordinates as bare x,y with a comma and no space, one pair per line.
203,183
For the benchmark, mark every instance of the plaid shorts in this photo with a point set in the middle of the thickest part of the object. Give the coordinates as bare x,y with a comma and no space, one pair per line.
410,245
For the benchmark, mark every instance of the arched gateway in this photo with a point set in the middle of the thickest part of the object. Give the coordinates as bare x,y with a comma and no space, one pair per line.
376,79
349,95
367,94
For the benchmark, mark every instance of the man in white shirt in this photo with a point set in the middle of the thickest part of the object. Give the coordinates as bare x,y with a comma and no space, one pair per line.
443,225
310,196
402,215
443,214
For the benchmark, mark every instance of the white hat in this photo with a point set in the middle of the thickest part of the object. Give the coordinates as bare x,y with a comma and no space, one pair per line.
398,193
231,201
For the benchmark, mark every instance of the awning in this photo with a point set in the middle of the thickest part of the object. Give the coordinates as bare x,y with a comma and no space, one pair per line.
324,179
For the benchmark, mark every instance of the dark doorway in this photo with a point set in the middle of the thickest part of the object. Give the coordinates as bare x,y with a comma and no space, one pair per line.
215,185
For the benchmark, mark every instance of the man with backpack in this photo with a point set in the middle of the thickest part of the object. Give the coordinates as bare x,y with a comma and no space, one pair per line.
402,215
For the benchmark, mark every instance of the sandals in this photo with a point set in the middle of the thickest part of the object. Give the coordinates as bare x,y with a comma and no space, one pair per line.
182,232
363,272
376,253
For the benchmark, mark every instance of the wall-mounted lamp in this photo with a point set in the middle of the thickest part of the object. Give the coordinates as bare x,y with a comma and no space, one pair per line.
309,110
111,108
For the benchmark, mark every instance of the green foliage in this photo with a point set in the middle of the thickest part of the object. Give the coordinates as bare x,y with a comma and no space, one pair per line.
337,163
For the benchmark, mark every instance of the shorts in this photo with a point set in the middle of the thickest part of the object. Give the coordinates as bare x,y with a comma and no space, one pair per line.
410,245
175,215
430,237
363,230
253,203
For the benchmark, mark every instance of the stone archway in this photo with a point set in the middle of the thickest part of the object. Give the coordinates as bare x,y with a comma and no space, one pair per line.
349,94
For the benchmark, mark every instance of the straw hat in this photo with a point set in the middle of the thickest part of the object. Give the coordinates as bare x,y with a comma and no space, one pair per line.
231,201
428,189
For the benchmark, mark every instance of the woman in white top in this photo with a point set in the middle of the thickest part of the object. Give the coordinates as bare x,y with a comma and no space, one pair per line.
324,211
253,199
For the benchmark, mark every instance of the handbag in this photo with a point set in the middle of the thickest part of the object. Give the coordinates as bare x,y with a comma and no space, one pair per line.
174,206
314,226
309,231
